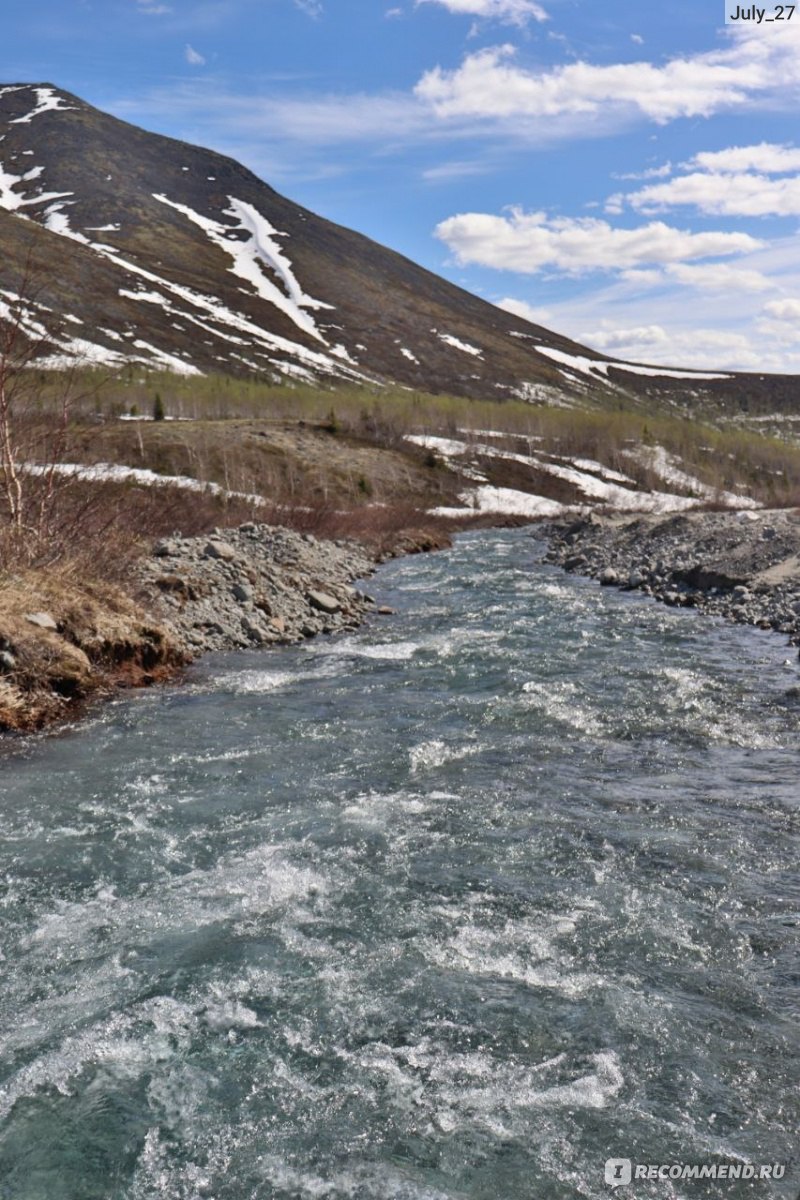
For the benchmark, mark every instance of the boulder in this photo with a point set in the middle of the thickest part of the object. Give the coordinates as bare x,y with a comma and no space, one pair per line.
608,577
219,549
323,602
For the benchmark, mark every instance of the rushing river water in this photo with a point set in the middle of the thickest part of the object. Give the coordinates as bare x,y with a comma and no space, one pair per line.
458,906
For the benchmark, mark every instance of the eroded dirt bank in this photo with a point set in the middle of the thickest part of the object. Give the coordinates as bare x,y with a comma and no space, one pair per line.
65,639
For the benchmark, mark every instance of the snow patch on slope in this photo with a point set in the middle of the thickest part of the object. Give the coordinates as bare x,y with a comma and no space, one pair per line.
668,468
598,366
507,501
248,256
56,220
464,347
12,200
114,473
599,490
46,101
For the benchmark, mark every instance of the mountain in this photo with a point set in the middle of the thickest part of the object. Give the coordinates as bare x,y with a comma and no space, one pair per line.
166,254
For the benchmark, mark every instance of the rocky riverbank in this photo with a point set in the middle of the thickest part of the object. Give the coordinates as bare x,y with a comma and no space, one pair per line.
253,586
65,640
743,565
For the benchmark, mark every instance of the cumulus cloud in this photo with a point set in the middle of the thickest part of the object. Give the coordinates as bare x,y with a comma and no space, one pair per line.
193,58
784,310
510,12
767,157
530,242
736,195
152,8
780,320
740,181
492,84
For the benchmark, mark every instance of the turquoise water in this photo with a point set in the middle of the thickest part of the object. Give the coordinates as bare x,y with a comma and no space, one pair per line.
458,906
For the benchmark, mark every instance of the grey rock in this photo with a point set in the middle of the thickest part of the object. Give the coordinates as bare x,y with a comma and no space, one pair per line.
43,620
7,662
166,548
324,602
220,550
242,592
608,576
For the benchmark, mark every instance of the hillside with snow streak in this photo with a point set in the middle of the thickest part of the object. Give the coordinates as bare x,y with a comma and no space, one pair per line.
153,252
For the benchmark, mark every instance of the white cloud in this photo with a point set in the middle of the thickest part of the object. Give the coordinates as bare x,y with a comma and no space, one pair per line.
784,310
511,12
781,321
521,308
741,195
193,58
312,8
766,157
698,348
153,9
637,38
528,242
490,84
718,277
682,328
447,171
651,173
614,339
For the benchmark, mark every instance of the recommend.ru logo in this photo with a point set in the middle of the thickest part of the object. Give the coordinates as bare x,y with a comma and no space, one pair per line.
620,1171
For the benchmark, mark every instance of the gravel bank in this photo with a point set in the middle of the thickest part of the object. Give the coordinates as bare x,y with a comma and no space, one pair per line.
253,586
741,565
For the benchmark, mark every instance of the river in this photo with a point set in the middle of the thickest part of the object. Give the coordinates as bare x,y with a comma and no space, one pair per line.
457,906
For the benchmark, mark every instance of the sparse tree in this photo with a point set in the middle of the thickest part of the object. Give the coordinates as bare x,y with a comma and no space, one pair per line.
159,413
35,412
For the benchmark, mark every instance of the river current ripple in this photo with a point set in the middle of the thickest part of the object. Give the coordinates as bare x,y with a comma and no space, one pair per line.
458,906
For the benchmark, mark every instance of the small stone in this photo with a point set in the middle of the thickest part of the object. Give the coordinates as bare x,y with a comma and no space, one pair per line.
7,662
608,577
242,592
324,602
635,579
278,624
43,620
385,611
165,548
222,550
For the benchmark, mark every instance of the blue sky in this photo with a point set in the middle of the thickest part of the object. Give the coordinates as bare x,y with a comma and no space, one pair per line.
623,173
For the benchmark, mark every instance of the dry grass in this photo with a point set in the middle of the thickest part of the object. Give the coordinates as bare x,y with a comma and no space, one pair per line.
102,639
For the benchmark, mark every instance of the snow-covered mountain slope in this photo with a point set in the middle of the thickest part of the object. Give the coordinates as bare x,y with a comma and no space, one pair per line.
152,251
